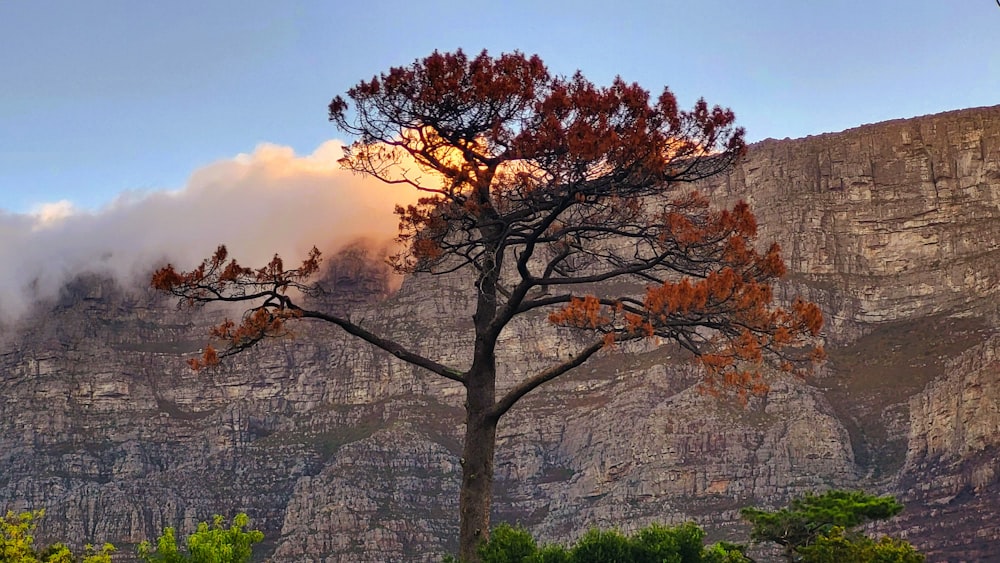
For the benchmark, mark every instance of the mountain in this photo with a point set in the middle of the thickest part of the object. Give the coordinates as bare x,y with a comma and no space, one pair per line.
341,453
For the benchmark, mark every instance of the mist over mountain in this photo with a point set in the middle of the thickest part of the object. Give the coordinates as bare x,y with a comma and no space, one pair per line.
270,201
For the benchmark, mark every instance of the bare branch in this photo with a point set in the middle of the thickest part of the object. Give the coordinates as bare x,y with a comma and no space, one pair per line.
388,345
532,383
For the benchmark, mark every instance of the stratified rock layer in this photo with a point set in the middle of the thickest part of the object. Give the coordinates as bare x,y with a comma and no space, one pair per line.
342,453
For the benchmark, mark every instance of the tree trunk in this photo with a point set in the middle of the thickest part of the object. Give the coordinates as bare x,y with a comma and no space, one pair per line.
476,496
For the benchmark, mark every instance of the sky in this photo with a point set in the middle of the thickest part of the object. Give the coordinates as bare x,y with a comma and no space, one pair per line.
109,96
119,116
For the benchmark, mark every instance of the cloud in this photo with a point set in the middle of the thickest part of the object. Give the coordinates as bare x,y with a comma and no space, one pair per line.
50,213
259,204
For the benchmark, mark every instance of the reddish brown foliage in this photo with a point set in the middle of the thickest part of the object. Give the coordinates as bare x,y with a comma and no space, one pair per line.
726,316
572,182
216,280
501,139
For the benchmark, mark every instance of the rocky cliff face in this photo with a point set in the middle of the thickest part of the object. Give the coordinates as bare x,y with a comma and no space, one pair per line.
341,453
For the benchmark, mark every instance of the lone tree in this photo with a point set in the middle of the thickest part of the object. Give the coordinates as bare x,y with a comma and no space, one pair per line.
544,187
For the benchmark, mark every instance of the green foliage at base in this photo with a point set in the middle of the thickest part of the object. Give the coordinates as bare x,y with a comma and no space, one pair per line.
812,529
209,544
653,544
17,543
840,546
215,544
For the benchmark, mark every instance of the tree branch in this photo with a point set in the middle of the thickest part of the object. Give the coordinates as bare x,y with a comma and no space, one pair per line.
526,386
390,346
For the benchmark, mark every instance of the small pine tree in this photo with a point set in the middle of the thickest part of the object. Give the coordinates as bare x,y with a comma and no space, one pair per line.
811,519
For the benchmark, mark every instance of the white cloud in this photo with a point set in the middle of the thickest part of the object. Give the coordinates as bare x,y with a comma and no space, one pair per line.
259,204
51,213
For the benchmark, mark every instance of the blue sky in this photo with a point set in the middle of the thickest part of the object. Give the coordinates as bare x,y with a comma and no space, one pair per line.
110,96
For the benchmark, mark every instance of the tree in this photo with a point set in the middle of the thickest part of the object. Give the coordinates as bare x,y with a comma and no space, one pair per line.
215,544
808,519
546,188
17,543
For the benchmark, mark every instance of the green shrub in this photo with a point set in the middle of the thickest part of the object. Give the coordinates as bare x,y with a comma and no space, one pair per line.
654,544
551,554
215,544
725,552
657,543
838,546
508,545
17,543
602,546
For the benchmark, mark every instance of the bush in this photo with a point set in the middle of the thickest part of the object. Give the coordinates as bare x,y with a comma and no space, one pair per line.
653,544
508,544
215,544
838,546
725,552
17,543
657,543
597,546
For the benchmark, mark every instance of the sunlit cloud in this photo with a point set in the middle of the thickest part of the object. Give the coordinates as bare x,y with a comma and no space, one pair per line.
52,213
258,204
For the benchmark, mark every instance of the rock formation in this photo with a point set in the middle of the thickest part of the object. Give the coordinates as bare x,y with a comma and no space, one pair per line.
341,453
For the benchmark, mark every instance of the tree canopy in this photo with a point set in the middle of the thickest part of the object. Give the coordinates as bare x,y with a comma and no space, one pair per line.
564,199
810,518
